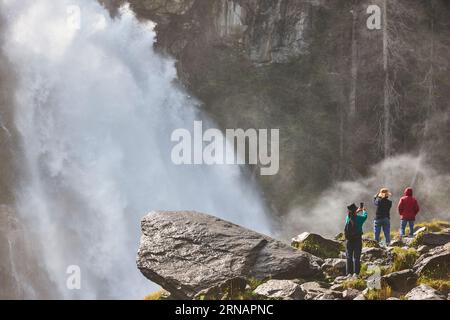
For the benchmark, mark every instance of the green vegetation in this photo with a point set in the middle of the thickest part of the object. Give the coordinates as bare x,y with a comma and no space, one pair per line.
318,250
403,259
358,284
230,292
395,234
158,295
437,278
340,237
379,294
440,285
433,225
418,240
370,243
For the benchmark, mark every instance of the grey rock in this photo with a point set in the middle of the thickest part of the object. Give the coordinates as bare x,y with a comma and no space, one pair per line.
360,297
329,295
337,287
313,289
280,289
334,267
427,264
373,254
424,292
446,230
435,238
226,289
420,230
350,294
423,249
401,281
340,279
397,243
187,252
392,298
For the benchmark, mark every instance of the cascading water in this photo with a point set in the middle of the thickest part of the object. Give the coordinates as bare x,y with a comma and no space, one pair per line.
95,108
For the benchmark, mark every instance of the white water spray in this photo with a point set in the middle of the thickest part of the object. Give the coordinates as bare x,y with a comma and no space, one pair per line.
95,108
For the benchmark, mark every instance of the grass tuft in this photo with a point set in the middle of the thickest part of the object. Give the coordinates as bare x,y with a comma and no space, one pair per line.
403,259
379,294
358,284
154,296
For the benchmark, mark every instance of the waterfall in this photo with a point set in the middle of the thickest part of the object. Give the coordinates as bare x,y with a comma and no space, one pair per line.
95,106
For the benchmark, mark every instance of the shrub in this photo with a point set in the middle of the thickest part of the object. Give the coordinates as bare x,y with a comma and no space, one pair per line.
403,259
379,294
358,284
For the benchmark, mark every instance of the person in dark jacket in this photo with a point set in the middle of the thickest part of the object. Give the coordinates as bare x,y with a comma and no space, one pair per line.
354,225
408,208
382,215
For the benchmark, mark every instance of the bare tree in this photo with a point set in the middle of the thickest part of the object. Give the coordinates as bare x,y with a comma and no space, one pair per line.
395,47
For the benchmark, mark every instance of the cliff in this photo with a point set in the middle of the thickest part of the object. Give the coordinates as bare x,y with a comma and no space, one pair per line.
314,70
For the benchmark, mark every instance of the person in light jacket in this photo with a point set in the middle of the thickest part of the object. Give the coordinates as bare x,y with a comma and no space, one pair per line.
382,215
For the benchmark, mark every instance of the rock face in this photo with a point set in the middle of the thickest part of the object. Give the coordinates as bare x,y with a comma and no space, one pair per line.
187,252
280,289
424,292
290,64
401,281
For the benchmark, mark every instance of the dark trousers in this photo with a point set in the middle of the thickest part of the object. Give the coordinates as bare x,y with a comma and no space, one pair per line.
353,253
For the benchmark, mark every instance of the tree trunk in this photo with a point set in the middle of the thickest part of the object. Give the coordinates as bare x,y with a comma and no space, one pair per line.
386,103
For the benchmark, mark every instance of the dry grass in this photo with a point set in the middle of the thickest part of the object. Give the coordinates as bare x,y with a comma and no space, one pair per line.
441,285
433,225
154,296
379,294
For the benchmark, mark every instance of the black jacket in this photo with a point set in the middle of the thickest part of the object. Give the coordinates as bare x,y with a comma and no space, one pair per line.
384,206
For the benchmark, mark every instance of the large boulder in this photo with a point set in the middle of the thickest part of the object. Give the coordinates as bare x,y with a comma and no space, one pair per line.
280,289
401,281
435,238
187,252
424,292
434,263
317,245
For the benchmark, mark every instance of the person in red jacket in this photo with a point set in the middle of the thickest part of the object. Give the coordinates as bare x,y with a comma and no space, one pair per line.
408,208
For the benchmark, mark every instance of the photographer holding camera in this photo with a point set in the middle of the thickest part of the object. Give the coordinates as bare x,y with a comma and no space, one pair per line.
353,234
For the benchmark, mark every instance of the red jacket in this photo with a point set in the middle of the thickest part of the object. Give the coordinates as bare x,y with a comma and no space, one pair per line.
408,207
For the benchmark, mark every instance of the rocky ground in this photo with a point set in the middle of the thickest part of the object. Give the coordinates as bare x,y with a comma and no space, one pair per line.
197,256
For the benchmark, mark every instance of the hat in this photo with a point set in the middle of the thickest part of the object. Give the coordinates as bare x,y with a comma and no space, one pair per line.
384,192
352,207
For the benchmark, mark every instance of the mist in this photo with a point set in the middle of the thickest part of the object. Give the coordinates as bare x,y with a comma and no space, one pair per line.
327,215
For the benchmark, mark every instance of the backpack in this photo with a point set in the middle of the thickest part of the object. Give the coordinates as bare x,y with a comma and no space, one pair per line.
351,230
